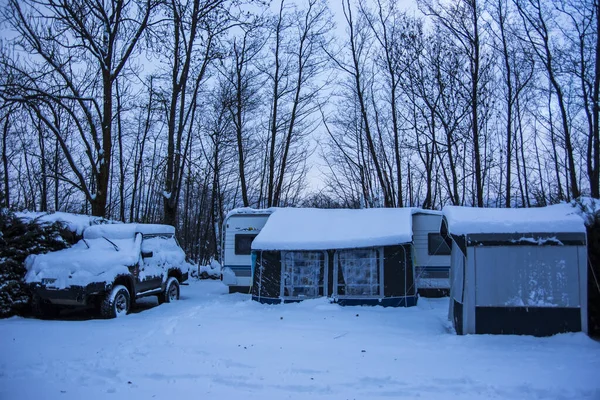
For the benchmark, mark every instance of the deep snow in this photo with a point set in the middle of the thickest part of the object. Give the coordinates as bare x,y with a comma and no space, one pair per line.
212,345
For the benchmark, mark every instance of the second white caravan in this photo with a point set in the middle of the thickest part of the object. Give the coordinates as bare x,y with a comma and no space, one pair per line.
240,227
431,255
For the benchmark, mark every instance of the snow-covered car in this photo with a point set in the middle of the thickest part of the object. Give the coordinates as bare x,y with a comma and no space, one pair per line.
111,267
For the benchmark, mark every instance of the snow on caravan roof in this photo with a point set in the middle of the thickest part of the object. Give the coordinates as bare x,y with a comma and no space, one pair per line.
426,211
559,218
125,231
322,229
250,211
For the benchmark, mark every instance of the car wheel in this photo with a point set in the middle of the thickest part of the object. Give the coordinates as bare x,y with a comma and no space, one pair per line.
171,292
43,309
116,303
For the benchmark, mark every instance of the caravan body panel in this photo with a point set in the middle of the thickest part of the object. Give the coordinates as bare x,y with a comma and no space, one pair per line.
431,254
240,228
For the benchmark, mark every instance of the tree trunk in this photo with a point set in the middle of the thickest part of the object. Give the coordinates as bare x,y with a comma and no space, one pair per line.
5,161
274,112
56,173
475,65
140,156
44,177
239,133
99,200
121,160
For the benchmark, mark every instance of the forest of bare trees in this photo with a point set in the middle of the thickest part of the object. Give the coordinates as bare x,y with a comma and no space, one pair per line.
177,111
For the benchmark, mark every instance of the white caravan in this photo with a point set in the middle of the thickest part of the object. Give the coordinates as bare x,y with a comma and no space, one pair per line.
240,227
431,254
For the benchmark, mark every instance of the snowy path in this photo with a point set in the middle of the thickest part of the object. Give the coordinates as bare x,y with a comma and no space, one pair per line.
212,345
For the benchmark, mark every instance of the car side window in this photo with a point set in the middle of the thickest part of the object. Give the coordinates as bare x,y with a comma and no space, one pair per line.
152,245
243,244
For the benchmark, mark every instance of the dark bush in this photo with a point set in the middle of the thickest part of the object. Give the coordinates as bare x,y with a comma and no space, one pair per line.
18,239
593,236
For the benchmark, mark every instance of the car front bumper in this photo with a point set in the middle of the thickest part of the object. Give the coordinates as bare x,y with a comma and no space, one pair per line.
71,296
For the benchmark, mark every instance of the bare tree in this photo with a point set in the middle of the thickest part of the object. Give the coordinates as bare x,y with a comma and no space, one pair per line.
293,66
463,19
308,60
396,35
536,16
518,71
241,83
358,44
84,47
195,26
580,30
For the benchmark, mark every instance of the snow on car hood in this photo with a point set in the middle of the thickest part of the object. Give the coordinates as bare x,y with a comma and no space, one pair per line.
80,265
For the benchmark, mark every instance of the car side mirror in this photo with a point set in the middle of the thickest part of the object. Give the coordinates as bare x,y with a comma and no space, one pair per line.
147,254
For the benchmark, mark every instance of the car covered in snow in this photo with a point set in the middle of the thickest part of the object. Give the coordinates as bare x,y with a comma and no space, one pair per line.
111,267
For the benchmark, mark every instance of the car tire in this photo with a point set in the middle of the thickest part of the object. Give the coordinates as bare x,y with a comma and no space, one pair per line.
171,292
116,303
43,309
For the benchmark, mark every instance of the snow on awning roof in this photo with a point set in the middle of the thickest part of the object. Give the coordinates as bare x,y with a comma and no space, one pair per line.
320,229
124,231
560,218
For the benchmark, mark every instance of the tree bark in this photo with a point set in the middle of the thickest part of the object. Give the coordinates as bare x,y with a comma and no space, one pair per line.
5,129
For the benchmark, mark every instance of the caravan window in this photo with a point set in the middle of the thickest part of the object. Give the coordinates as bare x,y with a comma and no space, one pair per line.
243,244
303,273
527,276
358,273
438,245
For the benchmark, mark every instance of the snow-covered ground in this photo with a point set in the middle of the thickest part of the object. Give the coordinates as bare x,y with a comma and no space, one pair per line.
212,345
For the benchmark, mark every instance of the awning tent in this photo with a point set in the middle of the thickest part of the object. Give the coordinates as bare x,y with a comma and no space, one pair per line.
356,257
517,271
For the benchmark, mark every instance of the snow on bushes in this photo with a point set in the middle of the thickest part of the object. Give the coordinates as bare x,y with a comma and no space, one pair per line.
210,271
75,223
26,233
18,239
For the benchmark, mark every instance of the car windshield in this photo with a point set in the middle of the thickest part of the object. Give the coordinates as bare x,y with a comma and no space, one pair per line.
109,245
